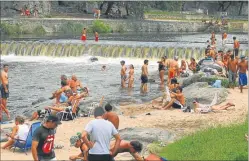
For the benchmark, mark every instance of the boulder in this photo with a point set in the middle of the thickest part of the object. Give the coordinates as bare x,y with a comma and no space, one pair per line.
204,93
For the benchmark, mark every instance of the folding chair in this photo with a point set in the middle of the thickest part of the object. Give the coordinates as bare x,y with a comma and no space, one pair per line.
26,144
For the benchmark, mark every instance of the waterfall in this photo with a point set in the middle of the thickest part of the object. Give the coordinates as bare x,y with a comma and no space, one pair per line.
36,48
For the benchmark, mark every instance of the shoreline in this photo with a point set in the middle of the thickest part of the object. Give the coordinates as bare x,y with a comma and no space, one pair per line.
181,124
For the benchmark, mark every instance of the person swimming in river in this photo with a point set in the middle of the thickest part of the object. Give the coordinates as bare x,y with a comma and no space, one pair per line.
123,73
83,37
144,76
103,68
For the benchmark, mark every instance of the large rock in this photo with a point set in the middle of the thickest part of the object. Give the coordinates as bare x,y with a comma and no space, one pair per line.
204,93
146,135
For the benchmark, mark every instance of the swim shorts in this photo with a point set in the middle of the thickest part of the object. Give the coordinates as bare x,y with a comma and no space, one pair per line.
144,79
236,52
123,77
3,93
177,104
242,79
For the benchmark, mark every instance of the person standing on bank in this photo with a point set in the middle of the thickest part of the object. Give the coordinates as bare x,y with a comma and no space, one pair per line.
101,132
236,46
43,140
5,89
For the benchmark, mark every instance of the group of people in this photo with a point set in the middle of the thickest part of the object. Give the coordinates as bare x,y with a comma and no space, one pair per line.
26,12
83,36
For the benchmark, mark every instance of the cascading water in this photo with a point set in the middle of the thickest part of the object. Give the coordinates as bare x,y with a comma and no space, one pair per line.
75,50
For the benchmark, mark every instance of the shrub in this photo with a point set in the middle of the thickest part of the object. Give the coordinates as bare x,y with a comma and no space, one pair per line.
120,28
39,30
71,28
10,29
100,27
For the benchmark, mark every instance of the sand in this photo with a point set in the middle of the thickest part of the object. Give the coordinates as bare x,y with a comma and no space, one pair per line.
172,120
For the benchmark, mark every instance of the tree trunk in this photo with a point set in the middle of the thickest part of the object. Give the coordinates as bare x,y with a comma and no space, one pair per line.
240,8
109,7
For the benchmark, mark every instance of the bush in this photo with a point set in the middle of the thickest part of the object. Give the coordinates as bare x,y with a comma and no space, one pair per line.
10,29
100,27
39,30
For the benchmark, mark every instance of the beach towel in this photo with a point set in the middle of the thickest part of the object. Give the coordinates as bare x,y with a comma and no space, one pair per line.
205,108
242,79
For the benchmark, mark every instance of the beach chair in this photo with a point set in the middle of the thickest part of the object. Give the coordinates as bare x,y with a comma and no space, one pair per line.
26,144
69,112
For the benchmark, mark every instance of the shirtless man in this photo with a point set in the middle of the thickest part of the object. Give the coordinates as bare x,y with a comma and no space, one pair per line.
173,68
111,116
177,99
232,69
133,147
242,69
224,39
96,36
5,89
75,84
236,46
123,73
83,37
144,76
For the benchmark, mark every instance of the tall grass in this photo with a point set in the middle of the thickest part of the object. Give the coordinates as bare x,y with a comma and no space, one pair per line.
220,143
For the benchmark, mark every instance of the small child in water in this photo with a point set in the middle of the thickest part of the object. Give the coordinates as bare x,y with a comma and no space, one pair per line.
103,68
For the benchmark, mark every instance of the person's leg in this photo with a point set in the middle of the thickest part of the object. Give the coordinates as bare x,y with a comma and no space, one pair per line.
4,107
224,107
230,78
55,108
34,116
169,104
8,144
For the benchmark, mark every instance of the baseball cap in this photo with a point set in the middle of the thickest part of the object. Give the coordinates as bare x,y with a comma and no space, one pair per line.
53,119
75,138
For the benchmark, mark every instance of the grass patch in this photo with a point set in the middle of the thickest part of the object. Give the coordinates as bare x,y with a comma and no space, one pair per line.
71,28
220,143
10,29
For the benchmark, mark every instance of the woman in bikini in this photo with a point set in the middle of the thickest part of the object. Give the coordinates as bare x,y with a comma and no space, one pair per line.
161,68
131,77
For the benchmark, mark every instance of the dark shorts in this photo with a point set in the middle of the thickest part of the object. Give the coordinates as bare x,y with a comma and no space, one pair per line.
3,93
175,105
104,157
236,52
144,79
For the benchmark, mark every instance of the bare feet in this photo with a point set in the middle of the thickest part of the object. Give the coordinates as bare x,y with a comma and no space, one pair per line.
230,104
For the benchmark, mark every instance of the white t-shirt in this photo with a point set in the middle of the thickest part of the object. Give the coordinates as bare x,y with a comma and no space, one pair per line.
101,132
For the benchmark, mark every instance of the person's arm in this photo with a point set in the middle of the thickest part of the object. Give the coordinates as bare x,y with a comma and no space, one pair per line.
117,143
101,101
137,157
85,139
3,83
35,142
238,68
34,150
105,116
85,149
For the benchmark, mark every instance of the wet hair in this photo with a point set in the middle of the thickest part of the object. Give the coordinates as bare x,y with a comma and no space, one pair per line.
137,146
108,107
232,56
63,83
234,38
84,28
132,66
179,88
207,40
19,119
220,51
5,65
98,111
173,81
63,77
146,61
229,51
193,59
122,62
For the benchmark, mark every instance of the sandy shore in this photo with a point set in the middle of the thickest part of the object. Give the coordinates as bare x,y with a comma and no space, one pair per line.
172,120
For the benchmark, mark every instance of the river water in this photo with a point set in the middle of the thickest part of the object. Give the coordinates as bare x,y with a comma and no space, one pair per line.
33,79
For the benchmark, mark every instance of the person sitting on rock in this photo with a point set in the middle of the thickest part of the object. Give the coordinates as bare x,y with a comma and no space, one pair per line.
57,94
133,147
77,142
192,65
177,99
20,132
111,116
183,67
